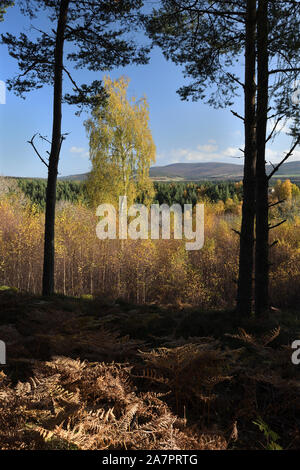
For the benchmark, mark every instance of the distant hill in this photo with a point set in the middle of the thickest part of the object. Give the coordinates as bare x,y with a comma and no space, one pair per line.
197,171
203,171
80,177
288,169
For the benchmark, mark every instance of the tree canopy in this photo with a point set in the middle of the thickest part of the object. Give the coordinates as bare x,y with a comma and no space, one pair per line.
97,33
4,4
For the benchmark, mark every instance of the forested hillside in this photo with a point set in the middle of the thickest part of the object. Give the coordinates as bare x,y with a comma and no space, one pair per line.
165,192
169,193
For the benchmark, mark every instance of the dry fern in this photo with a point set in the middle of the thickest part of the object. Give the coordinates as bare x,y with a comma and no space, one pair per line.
256,343
70,404
191,371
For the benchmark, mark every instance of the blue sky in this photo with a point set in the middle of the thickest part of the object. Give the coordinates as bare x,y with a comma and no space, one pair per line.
182,131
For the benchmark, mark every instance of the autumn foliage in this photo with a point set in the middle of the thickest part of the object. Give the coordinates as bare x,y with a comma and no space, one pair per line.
145,270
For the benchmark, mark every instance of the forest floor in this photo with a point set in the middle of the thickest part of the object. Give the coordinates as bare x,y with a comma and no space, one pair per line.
90,374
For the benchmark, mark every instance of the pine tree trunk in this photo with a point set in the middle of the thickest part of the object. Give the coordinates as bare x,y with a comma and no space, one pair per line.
246,260
48,271
262,203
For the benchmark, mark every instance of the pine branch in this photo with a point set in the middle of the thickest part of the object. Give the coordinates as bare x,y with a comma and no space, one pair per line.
276,203
237,115
274,129
31,142
277,225
293,69
288,155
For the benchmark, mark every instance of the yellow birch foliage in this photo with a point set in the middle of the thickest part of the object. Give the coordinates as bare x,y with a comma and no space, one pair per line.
121,147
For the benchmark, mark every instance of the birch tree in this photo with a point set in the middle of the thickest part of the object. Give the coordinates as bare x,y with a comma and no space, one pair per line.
121,147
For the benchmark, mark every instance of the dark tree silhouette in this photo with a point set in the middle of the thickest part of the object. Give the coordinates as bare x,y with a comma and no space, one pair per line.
277,72
245,279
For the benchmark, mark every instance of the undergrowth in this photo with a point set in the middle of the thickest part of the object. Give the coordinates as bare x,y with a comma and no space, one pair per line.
78,377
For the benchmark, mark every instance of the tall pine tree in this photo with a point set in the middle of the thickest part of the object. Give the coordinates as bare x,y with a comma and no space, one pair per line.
98,35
